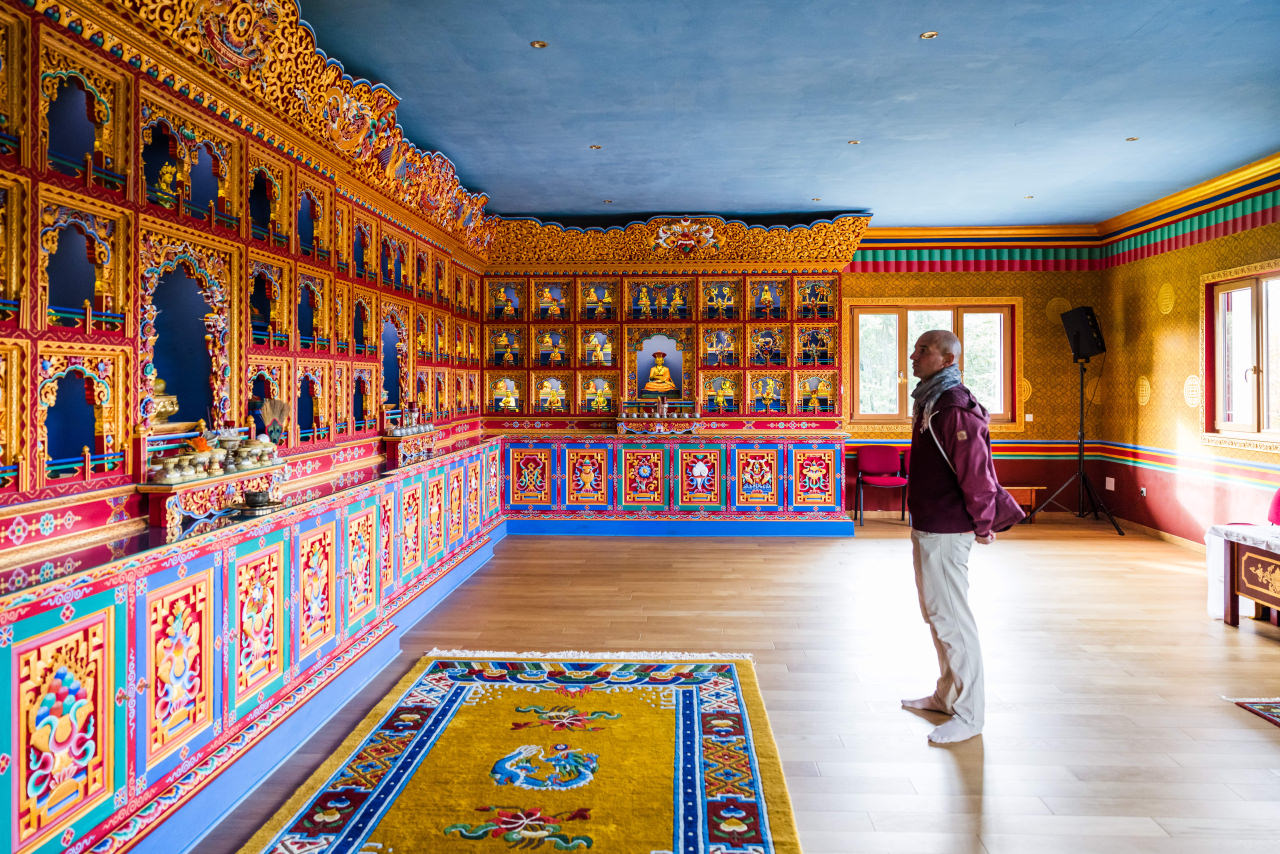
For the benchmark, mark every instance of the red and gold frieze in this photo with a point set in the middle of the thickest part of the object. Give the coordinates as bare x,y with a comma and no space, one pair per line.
668,243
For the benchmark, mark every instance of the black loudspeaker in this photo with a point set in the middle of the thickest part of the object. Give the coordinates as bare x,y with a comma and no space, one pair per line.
1083,333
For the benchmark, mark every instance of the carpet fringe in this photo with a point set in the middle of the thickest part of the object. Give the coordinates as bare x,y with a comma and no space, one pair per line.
1252,699
580,654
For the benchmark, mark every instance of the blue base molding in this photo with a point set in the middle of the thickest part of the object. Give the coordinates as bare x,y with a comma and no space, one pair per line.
681,528
182,830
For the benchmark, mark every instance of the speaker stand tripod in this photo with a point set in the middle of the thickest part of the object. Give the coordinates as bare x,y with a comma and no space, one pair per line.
1083,485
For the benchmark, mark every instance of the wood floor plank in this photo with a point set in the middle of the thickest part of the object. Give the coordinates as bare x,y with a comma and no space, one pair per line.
1106,727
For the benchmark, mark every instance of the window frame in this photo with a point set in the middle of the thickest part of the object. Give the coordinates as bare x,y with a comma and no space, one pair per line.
1256,427
1010,415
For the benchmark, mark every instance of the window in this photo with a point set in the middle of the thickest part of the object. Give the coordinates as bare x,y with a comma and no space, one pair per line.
1246,356
882,340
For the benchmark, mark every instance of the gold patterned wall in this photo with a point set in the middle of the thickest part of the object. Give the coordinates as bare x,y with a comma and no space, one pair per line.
1150,313
1047,379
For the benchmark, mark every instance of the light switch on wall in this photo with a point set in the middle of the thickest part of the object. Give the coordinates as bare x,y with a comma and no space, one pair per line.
1030,417
1110,484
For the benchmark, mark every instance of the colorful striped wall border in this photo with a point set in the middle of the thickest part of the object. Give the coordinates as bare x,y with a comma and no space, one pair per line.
1243,473
1244,207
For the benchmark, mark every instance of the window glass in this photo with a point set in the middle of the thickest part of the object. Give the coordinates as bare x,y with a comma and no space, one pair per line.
1235,319
1271,356
878,364
983,358
920,322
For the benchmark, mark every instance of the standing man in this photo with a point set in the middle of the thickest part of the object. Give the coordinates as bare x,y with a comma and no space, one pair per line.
954,501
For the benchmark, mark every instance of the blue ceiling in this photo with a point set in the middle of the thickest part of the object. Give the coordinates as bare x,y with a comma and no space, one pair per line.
744,108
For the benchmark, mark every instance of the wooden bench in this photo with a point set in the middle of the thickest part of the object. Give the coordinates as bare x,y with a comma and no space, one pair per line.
1025,496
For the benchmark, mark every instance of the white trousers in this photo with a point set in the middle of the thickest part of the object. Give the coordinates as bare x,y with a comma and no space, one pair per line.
942,580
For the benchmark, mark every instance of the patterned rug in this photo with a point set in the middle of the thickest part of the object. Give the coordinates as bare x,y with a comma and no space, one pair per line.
641,753
1268,709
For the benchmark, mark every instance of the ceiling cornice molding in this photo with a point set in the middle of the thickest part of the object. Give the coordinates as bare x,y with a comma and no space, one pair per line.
1248,179
967,235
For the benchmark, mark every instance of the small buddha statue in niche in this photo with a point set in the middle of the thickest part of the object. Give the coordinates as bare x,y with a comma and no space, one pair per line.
659,376
507,395
552,400
599,400
766,299
594,355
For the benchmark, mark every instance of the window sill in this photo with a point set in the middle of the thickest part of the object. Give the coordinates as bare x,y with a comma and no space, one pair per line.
1269,443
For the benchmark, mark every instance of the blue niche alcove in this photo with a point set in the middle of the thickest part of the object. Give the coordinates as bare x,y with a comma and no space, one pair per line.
181,351
260,391
261,193
161,167
673,360
306,316
358,249
390,365
71,277
71,128
306,222
358,395
70,421
205,180
306,410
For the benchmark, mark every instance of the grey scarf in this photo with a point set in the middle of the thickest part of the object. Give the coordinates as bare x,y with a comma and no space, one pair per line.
927,392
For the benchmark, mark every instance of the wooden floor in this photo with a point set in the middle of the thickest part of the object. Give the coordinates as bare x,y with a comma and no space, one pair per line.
1106,728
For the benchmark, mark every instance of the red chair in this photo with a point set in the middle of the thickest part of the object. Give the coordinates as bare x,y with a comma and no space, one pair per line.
1273,512
877,465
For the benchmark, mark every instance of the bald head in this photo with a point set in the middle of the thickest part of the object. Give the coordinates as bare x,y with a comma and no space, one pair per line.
935,350
944,341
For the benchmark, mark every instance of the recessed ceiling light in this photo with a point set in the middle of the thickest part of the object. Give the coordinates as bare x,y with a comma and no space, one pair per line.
595,147
1130,139
608,201
931,34
537,44
855,142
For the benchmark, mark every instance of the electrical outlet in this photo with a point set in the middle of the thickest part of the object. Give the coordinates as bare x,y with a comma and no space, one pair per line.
1110,484
1142,491
1030,417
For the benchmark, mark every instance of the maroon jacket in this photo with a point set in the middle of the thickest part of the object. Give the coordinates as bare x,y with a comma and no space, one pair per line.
941,502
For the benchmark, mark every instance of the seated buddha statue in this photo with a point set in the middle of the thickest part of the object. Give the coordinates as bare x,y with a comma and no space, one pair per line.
552,399
599,402
659,376
508,395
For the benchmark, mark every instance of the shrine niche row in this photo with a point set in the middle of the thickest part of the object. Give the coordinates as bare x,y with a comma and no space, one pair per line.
734,344
161,266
